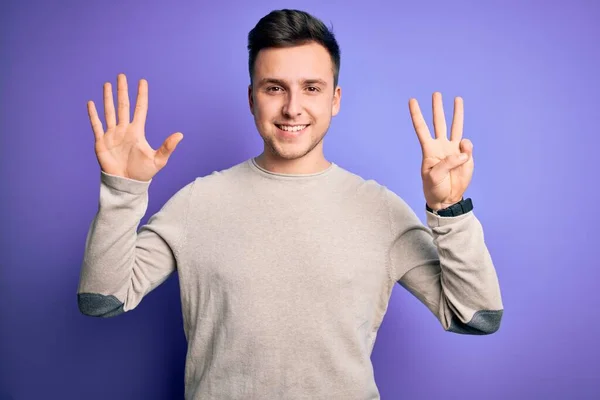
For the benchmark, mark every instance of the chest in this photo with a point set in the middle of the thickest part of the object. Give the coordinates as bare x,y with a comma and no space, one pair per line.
303,261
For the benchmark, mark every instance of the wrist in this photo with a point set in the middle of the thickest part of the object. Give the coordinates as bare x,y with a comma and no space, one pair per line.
441,206
461,207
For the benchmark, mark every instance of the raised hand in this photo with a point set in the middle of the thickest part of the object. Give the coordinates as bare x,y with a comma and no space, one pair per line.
122,149
447,165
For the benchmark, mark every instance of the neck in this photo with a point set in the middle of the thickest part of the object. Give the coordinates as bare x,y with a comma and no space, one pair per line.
311,163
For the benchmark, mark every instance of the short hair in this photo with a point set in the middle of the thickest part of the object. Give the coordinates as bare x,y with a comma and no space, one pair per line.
287,28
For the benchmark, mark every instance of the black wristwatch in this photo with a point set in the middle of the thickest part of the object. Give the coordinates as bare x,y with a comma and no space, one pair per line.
456,209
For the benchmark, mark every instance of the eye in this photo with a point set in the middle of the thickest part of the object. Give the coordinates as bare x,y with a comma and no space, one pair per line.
274,88
313,89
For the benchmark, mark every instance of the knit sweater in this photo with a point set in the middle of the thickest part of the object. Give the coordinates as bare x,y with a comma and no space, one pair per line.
284,279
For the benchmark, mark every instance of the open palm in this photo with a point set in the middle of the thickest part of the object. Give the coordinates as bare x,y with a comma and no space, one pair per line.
122,149
445,174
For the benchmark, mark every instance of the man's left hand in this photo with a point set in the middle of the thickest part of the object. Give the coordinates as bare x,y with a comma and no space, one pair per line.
447,165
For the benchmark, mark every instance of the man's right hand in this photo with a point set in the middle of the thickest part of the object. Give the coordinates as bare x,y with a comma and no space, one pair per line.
122,149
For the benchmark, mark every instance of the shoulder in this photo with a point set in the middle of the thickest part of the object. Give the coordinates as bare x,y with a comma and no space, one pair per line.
351,181
369,188
380,197
221,178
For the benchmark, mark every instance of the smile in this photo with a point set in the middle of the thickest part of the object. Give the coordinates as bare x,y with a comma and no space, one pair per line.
291,128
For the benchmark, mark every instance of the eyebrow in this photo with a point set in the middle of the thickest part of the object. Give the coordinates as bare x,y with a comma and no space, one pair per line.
281,82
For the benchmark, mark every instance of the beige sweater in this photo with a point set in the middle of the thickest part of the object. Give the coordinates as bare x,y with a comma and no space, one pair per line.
284,279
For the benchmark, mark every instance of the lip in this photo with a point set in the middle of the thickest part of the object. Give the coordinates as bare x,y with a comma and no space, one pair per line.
290,134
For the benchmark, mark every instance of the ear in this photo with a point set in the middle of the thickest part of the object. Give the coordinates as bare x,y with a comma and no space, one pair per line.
337,99
250,99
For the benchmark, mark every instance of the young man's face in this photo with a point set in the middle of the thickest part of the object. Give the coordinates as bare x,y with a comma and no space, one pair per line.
293,99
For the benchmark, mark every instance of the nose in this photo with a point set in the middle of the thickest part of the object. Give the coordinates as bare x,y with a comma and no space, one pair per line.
292,106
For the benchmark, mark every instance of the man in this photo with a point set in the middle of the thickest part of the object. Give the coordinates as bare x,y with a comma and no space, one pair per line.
286,262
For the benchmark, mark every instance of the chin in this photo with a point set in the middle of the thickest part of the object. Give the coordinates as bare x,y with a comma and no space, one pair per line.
287,153
290,151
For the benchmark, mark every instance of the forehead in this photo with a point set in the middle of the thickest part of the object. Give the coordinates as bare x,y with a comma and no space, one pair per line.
291,63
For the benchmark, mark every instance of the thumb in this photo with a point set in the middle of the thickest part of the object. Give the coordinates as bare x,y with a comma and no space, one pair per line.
449,163
166,149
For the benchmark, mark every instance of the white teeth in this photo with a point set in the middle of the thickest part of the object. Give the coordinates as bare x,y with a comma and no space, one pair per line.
288,128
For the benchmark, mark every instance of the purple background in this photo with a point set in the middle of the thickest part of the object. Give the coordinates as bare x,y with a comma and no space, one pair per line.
529,77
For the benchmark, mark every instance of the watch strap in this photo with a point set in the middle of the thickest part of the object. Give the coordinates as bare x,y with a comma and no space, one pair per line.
456,209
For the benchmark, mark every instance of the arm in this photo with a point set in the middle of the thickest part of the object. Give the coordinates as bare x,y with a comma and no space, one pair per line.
120,264
447,267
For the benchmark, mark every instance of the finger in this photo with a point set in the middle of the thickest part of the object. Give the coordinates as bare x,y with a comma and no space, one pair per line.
141,104
439,120
109,107
419,122
466,146
122,100
456,131
167,148
442,168
95,121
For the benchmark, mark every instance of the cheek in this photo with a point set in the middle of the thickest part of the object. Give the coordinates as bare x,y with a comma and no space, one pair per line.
265,109
321,109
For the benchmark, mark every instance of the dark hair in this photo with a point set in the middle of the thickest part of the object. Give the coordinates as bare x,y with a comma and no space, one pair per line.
287,28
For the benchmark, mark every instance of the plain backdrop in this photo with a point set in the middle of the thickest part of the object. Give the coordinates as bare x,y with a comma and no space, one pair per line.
528,73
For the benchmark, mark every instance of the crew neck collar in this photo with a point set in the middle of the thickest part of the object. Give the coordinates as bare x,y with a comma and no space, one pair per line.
278,175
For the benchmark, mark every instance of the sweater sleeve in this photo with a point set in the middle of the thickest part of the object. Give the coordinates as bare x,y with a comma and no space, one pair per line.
446,265
122,264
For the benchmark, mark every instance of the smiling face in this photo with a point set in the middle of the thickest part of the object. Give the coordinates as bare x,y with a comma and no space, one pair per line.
293,99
